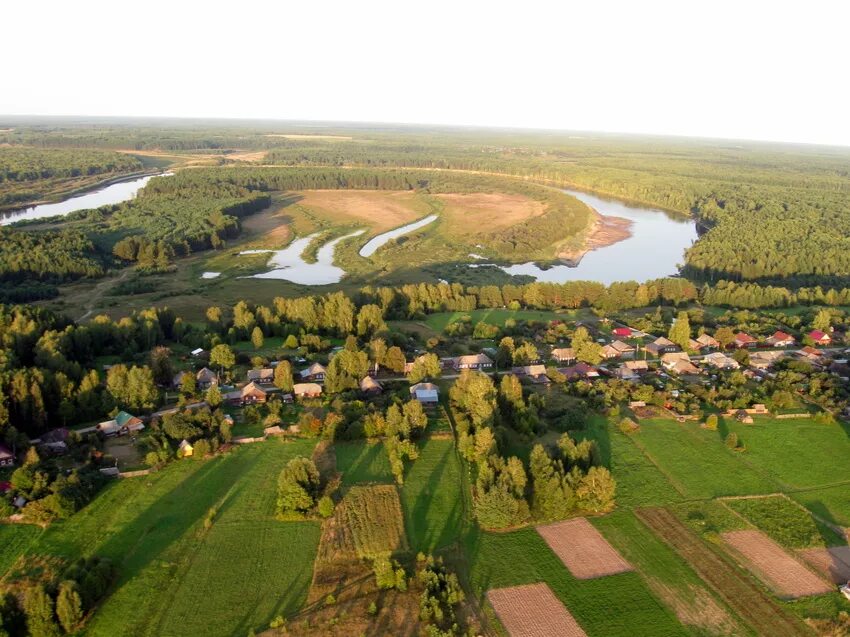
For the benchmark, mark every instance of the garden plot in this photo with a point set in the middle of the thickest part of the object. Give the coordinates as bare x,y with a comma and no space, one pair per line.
582,549
783,574
833,563
533,610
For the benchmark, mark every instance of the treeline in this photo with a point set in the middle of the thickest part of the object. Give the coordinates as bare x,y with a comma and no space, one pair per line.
49,256
19,163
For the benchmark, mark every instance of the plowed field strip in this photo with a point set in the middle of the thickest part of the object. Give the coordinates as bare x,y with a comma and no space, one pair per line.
734,586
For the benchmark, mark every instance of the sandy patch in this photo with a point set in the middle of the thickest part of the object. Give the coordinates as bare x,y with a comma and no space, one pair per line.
582,549
533,611
383,210
605,231
774,566
833,563
248,155
486,212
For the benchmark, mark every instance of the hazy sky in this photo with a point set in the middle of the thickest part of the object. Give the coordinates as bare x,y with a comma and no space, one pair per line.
741,69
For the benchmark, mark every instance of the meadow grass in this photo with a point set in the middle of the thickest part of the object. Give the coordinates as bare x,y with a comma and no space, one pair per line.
785,522
373,516
798,453
697,462
362,462
15,539
667,574
174,576
605,607
431,497
830,503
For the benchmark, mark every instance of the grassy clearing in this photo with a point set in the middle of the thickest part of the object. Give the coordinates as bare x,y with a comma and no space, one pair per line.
798,453
709,518
668,575
785,522
431,497
608,606
831,503
373,515
360,462
175,577
697,462
639,481
15,539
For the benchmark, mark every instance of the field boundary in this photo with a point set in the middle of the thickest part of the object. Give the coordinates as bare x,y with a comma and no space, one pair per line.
734,586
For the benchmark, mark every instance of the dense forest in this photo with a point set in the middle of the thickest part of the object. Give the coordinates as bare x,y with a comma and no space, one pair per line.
28,174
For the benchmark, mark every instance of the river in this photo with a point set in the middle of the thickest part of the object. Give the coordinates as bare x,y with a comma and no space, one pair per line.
107,195
654,250
288,264
376,242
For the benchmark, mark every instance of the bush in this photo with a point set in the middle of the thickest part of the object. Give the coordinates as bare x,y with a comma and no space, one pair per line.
732,440
326,506
711,422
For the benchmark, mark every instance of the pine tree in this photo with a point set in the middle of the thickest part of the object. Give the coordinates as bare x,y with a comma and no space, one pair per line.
69,606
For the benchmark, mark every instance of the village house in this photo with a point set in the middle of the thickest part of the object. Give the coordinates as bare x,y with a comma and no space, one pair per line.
535,373
632,370
204,378
661,345
250,394
744,341
764,360
811,354
316,372
617,349
121,425
780,339
564,354
706,342
408,366
472,361
197,352
622,332
264,375
7,458
425,393
579,371
370,386
185,449
679,363
720,361
820,338
307,390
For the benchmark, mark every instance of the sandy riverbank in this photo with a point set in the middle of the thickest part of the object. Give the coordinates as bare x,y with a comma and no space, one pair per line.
605,231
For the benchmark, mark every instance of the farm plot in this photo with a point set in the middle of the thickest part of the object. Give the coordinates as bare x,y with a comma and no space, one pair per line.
733,586
360,462
582,549
14,541
785,522
833,562
697,462
831,503
787,577
533,611
373,514
669,576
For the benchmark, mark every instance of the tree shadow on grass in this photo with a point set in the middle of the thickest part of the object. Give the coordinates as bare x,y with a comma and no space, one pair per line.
446,532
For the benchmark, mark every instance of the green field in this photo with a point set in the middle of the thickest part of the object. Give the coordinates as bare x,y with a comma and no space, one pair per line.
15,539
432,497
668,575
362,462
605,607
785,522
830,503
176,578
797,453
696,461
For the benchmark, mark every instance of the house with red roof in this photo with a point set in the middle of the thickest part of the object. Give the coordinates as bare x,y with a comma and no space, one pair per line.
780,339
744,341
820,338
622,332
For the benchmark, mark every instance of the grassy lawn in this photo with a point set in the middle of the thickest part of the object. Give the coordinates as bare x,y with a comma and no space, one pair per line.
697,462
798,453
639,481
605,607
439,321
831,503
668,575
432,498
360,462
174,576
15,539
